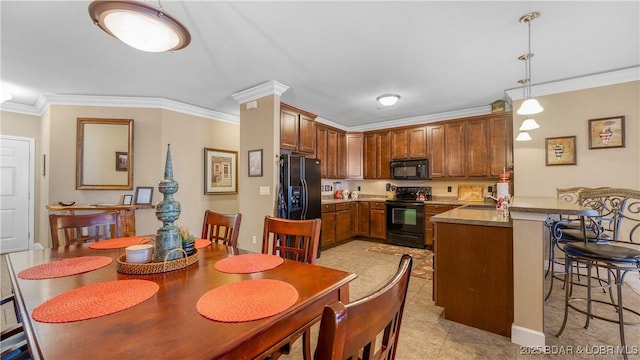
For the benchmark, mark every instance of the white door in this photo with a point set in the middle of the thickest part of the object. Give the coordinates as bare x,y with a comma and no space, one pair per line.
16,189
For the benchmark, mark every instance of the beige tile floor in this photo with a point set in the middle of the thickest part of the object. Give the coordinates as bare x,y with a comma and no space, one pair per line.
425,334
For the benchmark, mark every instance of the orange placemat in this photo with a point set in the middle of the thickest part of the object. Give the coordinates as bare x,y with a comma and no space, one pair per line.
202,243
119,243
247,300
248,263
95,300
65,267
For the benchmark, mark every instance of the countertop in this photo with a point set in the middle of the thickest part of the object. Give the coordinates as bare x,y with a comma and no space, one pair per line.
472,215
548,205
435,201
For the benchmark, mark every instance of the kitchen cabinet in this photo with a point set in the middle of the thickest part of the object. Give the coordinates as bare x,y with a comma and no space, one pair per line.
377,220
436,151
454,139
500,147
328,227
476,147
360,218
429,211
297,130
332,154
343,222
377,155
354,155
321,149
342,155
409,143
331,148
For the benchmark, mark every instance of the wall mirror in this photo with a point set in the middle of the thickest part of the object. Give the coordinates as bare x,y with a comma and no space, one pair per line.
104,154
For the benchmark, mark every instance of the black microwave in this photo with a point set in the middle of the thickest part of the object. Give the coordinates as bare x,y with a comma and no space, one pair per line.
410,169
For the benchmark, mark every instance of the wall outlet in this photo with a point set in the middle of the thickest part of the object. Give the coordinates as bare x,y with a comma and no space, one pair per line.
253,239
448,188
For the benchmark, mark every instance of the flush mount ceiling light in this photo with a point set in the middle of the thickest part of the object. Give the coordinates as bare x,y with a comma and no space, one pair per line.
139,25
523,136
388,99
530,105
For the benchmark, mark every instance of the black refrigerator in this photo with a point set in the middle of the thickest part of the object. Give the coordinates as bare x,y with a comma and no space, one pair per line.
300,188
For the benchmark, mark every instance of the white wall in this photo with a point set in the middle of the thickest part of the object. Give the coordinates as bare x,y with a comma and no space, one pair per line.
567,114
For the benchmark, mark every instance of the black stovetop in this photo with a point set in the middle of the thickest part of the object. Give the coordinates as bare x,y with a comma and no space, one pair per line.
411,193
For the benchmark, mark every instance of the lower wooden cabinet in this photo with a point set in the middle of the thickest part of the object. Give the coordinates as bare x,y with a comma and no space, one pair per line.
429,211
328,229
377,221
343,221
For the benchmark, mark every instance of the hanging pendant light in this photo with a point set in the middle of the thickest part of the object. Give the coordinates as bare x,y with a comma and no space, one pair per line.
523,136
139,25
529,124
530,105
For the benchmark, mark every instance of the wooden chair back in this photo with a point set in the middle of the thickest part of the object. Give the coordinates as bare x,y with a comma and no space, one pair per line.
350,331
222,228
78,229
291,239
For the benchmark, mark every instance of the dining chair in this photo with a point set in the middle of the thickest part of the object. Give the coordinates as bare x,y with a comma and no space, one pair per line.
615,247
222,228
13,343
295,240
291,239
350,331
82,228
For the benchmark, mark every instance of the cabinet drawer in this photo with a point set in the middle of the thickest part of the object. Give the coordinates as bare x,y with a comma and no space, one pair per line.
377,205
328,208
342,206
438,208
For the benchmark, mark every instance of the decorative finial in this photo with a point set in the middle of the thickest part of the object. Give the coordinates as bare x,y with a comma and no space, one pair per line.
168,167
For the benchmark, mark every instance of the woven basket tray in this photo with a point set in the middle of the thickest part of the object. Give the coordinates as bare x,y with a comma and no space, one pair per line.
156,267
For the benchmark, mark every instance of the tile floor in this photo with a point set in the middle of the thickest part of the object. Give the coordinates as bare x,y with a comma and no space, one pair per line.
425,334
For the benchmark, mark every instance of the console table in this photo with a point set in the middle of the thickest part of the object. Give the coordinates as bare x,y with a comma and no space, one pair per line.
126,214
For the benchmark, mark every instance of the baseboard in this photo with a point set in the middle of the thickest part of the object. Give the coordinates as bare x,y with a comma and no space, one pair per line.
526,337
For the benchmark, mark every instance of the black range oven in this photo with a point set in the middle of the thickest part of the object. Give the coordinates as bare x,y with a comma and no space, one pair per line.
405,216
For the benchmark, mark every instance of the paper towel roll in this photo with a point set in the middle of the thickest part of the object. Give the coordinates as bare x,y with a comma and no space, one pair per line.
502,189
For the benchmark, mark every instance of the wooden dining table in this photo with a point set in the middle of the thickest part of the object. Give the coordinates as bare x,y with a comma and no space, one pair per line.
168,326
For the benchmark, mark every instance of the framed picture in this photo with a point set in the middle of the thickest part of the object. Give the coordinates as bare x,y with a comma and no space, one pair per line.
606,133
127,199
144,194
220,172
560,150
122,161
255,163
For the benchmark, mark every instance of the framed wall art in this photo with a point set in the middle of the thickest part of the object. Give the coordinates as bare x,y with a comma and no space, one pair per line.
255,163
144,195
122,161
220,172
560,150
606,133
127,199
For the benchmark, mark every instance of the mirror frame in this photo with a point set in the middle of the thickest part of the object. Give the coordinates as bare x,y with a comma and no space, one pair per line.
80,154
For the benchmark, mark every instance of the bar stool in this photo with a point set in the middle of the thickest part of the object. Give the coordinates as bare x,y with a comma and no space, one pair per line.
619,256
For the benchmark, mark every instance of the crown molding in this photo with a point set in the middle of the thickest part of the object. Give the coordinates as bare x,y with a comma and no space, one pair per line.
269,88
45,101
578,83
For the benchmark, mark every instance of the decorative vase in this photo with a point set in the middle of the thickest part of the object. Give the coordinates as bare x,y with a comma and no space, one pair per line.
189,247
168,236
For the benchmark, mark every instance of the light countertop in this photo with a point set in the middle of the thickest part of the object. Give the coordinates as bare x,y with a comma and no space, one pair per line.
470,215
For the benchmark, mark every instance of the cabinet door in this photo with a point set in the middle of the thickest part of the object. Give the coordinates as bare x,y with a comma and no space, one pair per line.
476,141
332,154
343,225
383,155
377,221
399,144
455,149
436,151
354,219
328,231
370,159
288,129
342,155
321,149
307,137
417,147
363,218
354,155
500,144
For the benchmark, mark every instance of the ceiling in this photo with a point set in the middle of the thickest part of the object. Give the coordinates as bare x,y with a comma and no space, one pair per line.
336,57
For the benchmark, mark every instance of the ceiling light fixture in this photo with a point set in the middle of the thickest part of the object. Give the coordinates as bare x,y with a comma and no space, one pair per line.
530,105
139,25
523,136
388,99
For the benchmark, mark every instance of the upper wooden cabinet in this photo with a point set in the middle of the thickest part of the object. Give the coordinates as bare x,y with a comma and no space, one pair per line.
454,140
409,143
297,130
354,155
332,148
500,143
343,154
476,147
377,155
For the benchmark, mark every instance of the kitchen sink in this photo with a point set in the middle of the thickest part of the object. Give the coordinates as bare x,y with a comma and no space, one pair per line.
479,207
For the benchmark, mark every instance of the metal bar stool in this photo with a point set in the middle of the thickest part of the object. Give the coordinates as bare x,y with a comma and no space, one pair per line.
619,257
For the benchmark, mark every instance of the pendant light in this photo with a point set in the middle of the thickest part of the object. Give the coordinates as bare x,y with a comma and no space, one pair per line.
139,25
523,136
530,105
529,123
